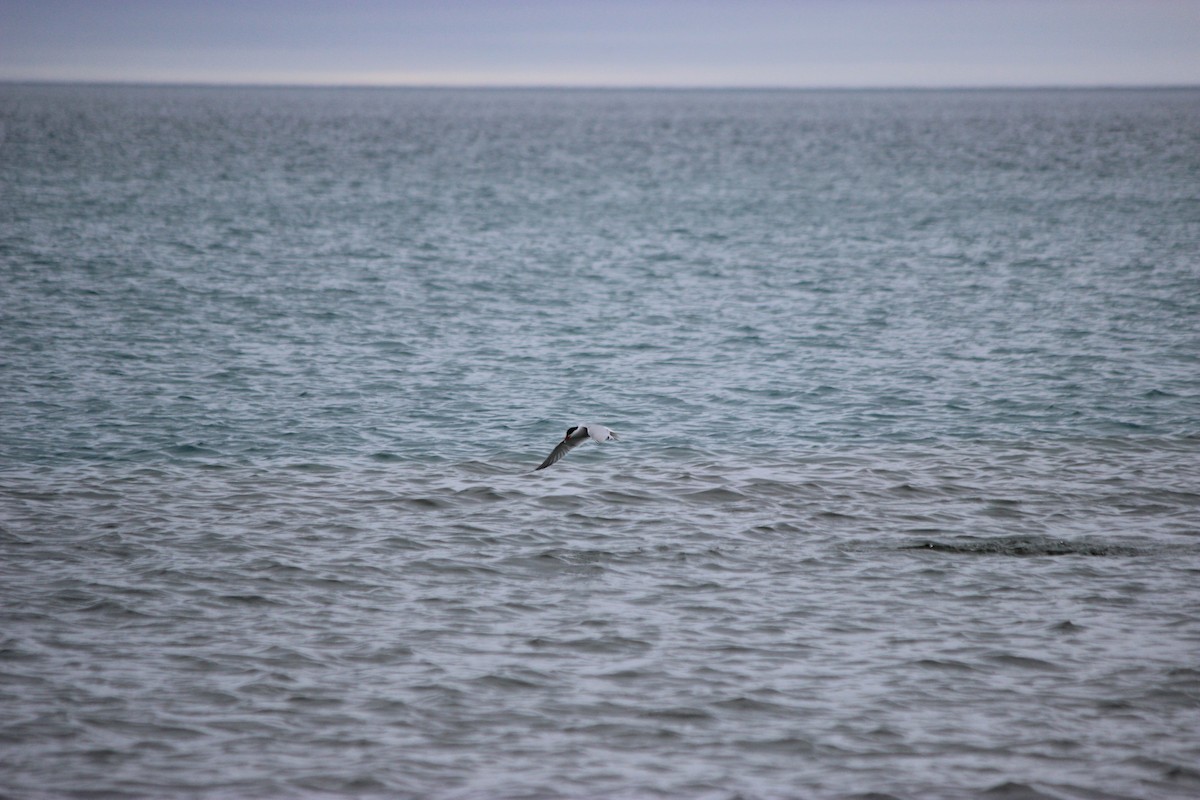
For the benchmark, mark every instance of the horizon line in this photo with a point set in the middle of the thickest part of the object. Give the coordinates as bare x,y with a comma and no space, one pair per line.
600,86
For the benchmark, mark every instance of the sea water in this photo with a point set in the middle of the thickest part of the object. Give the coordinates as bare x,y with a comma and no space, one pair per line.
906,499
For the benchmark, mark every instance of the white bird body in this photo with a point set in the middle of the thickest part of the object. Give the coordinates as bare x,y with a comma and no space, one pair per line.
577,435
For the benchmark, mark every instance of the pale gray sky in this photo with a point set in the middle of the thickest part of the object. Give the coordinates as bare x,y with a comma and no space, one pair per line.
801,43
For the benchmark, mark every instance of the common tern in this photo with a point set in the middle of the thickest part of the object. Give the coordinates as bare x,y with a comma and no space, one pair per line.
577,435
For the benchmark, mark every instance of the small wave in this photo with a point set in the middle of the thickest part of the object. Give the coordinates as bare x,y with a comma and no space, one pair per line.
716,496
943,665
1016,791
678,713
1024,662
312,467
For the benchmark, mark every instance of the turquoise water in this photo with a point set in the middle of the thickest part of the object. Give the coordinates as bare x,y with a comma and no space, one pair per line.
905,501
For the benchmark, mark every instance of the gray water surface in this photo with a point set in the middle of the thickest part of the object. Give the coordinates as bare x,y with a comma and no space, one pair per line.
905,502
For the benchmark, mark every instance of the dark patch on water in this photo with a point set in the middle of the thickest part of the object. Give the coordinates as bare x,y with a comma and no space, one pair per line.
1026,546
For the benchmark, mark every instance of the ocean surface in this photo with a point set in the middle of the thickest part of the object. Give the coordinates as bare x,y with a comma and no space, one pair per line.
906,501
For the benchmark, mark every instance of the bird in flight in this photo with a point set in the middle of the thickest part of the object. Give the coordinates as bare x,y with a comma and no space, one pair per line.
577,435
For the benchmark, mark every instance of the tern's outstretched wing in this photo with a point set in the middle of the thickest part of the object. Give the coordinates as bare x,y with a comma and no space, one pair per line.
564,447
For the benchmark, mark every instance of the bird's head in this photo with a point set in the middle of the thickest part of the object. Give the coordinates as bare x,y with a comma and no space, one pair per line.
570,430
